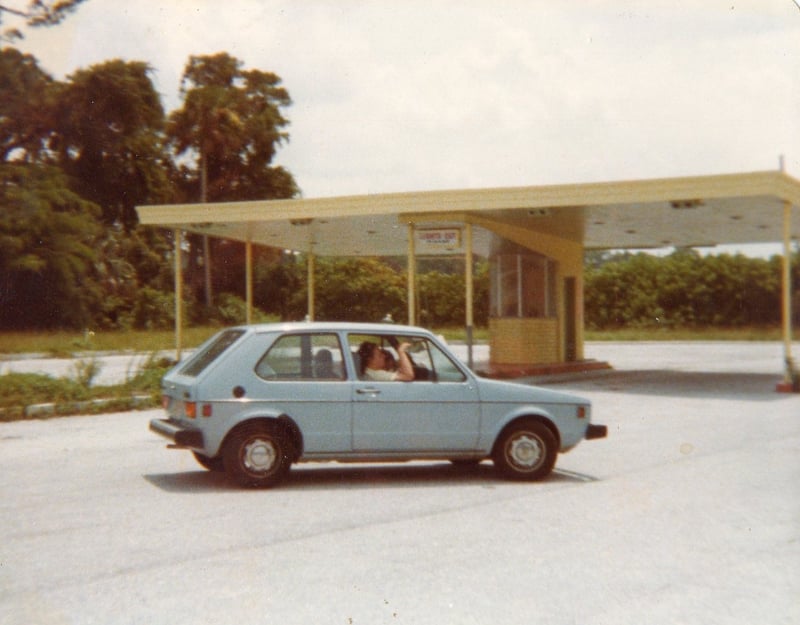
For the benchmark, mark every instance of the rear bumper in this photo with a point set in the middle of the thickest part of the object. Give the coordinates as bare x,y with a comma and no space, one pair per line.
596,431
179,434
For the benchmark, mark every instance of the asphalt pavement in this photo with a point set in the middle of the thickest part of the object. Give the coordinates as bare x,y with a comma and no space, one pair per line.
689,512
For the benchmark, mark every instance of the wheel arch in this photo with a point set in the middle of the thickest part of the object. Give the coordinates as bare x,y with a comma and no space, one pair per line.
283,422
540,418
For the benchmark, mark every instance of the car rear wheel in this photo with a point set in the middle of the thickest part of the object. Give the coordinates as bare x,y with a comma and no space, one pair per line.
525,451
257,456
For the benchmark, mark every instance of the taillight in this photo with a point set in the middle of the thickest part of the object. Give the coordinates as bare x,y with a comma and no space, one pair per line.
165,402
190,409
581,412
207,410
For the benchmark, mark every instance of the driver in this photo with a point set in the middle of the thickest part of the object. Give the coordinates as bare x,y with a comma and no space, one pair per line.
373,363
389,361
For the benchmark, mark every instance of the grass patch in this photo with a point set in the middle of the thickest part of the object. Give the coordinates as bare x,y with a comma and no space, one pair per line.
66,344
19,389
69,344
76,395
459,335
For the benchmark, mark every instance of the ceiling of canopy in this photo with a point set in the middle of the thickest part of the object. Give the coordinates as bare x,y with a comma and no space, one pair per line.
681,212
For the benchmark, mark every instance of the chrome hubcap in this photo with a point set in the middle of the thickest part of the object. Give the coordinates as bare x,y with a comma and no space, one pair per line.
259,455
525,451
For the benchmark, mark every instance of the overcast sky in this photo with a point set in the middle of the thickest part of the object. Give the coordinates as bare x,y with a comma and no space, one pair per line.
415,95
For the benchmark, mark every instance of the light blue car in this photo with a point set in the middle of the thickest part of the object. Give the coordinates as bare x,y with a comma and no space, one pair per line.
252,400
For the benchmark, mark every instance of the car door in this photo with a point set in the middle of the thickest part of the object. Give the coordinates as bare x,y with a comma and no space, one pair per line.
440,413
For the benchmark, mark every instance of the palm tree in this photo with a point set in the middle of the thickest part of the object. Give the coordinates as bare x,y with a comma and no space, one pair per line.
231,122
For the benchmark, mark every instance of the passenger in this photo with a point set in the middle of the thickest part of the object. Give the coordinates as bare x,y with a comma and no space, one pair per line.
323,365
373,363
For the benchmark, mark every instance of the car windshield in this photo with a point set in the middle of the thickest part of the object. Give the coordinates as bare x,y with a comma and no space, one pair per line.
208,354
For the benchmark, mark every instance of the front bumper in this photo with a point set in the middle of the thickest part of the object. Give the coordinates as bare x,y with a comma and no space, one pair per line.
596,431
181,435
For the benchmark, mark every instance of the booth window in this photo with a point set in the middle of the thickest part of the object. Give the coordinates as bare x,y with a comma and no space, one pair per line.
523,284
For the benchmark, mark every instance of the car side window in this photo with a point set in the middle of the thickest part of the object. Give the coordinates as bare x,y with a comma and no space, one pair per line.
303,357
430,363
384,343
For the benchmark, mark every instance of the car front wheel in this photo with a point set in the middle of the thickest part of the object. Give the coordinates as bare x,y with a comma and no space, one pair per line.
257,456
525,451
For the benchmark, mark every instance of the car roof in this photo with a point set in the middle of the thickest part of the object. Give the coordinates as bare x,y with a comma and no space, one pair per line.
337,326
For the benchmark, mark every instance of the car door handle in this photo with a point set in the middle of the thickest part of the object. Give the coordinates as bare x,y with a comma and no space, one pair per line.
368,391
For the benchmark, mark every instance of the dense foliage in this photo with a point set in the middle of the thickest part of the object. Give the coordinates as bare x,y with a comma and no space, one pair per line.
368,289
47,236
77,156
684,289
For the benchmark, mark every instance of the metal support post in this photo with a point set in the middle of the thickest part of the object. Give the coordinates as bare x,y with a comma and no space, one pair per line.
468,278
178,295
311,284
412,278
248,279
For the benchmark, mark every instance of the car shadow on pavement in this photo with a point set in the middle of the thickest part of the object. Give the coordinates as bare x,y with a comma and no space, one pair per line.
189,481
353,476
689,384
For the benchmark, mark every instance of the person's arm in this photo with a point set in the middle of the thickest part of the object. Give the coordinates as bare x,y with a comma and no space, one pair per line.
405,370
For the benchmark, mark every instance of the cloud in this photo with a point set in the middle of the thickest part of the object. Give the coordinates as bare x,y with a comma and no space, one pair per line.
392,96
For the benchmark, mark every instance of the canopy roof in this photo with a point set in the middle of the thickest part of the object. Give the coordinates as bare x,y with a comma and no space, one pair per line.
689,211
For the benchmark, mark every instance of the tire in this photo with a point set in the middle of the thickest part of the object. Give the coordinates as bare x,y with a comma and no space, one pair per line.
257,456
526,450
212,464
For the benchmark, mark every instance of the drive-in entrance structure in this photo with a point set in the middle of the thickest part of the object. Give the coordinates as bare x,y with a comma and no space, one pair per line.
534,237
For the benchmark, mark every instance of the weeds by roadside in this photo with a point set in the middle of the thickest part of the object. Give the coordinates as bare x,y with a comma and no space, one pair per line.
76,395
85,370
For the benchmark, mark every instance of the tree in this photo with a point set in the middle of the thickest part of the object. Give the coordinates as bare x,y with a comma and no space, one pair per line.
683,289
231,123
623,291
109,122
38,13
280,287
441,295
47,240
358,289
129,269
26,99
90,147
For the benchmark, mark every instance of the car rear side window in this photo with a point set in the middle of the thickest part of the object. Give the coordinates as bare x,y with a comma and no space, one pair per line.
303,357
208,354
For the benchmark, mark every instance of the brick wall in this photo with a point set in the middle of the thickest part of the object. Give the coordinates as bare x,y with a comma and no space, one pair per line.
521,341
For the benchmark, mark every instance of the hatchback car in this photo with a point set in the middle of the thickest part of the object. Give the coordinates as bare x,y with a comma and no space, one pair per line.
252,400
